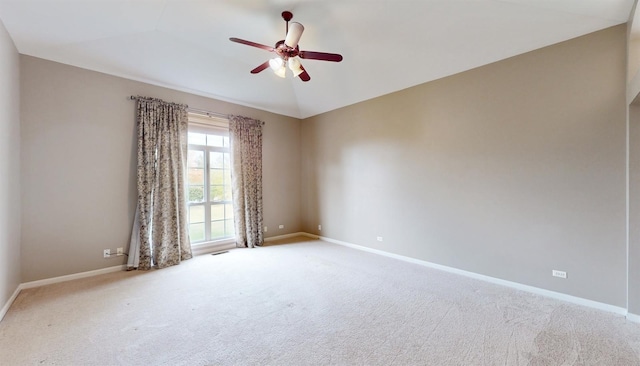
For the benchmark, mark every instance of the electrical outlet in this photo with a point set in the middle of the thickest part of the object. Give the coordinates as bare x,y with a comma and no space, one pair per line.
106,253
119,252
561,274
281,227
379,238
320,227
265,229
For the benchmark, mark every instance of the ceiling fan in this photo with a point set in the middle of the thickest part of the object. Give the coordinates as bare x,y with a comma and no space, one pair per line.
289,54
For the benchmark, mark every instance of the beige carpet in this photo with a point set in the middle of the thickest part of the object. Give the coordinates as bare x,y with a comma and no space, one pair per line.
304,303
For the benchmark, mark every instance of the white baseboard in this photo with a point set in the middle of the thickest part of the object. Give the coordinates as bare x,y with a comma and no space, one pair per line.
286,236
633,318
498,281
312,236
552,294
49,281
6,306
202,250
70,277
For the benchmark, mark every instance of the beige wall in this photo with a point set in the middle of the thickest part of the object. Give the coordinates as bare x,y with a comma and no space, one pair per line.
9,167
509,170
634,209
78,146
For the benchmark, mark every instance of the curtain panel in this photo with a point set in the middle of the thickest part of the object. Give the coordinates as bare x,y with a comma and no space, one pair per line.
246,179
160,235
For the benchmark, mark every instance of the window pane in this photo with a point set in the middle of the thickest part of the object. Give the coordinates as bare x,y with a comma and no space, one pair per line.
195,159
217,212
196,214
230,230
217,176
196,138
196,193
209,192
217,229
196,232
217,193
216,160
196,176
214,140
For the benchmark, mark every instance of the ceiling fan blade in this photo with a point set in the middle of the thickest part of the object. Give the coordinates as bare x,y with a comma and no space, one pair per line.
253,44
304,76
260,68
294,34
311,55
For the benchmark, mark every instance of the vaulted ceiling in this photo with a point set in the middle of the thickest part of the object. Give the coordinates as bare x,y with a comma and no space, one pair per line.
388,45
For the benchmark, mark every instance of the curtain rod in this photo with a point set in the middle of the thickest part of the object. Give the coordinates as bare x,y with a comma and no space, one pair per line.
194,110
207,113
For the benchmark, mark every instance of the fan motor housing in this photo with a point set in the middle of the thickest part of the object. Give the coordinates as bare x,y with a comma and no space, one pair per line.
286,52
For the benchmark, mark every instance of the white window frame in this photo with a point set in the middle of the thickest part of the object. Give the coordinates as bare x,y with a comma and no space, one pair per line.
212,125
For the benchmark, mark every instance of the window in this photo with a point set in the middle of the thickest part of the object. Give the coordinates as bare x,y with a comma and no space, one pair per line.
209,180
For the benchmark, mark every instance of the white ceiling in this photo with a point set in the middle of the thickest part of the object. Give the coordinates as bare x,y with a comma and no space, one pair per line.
387,45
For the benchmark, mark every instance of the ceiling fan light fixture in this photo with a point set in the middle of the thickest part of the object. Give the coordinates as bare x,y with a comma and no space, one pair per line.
276,63
294,34
288,52
295,66
282,72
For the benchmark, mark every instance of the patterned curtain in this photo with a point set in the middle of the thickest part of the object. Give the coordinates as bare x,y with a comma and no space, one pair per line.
246,179
163,238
